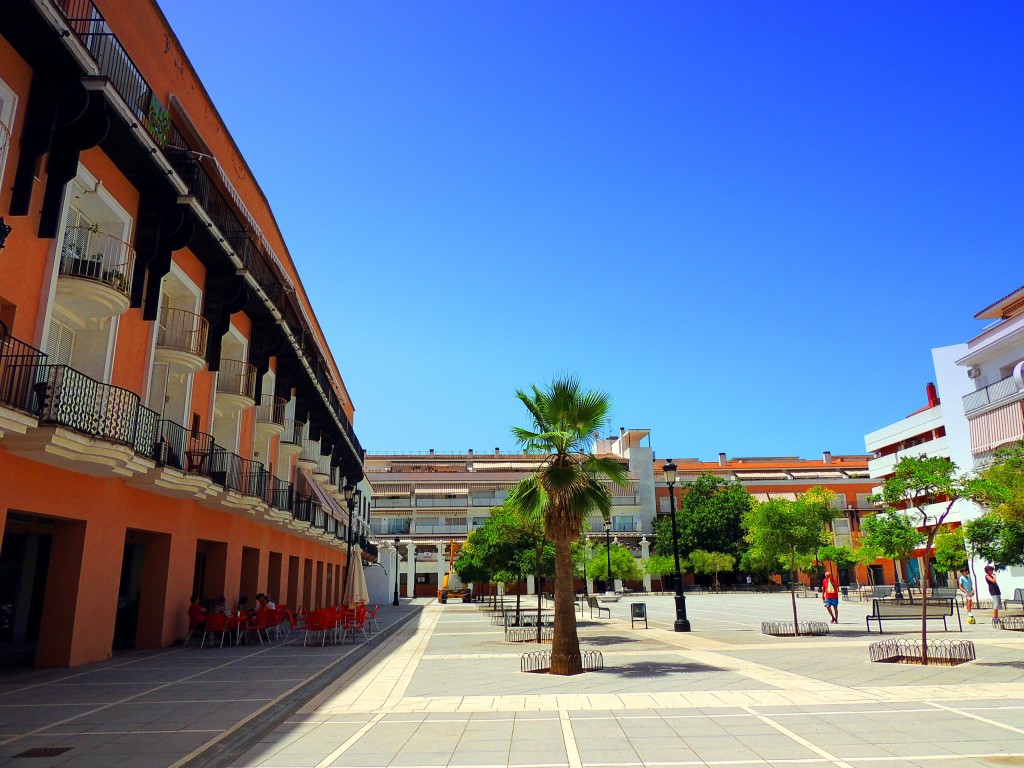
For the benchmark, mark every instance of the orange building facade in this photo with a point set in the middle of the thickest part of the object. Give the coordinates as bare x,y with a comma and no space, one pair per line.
171,418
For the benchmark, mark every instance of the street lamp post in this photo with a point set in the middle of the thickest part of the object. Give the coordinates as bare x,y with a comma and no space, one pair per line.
586,554
398,567
609,586
352,495
682,624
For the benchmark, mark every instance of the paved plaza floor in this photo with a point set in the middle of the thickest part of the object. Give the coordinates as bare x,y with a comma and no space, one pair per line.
444,689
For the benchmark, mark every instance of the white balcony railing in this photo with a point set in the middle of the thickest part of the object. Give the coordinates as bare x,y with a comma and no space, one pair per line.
990,395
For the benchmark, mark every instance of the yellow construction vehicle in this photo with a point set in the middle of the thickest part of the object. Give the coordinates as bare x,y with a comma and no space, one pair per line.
451,587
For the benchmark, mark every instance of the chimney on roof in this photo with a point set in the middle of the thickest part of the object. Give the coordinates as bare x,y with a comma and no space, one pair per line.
826,457
431,451
933,394
497,451
722,461
469,452
622,431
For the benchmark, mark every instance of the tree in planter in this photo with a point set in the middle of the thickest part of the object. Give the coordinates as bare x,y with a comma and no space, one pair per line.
782,530
567,489
893,534
919,482
711,563
624,565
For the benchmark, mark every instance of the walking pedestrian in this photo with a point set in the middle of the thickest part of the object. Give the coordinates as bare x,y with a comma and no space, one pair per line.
966,585
997,595
830,596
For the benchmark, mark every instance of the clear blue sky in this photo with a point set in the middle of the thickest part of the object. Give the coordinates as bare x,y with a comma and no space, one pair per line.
748,222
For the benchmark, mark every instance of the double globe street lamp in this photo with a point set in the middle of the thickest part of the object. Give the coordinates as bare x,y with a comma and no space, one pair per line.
682,624
352,496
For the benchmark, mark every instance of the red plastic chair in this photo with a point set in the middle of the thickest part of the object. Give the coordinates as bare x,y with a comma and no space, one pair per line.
356,622
317,621
215,622
371,616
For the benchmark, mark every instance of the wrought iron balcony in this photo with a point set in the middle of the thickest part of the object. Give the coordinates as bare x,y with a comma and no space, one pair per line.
323,469
71,399
95,274
279,494
88,25
181,339
309,459
291,439
22,367
270,415
236,385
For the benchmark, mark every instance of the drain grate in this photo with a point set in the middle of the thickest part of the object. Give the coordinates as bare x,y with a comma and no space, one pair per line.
44,752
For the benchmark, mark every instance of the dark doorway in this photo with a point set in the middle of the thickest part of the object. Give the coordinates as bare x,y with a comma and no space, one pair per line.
24,564
127,622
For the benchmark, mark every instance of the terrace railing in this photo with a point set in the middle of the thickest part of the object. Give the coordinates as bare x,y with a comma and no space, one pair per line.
279,494
293,432
271,410
21,368
182,330
93,255
237,377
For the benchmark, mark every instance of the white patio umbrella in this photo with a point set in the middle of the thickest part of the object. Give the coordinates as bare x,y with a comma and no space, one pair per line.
356,593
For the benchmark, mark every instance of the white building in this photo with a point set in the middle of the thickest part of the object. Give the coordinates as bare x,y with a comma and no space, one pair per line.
981,383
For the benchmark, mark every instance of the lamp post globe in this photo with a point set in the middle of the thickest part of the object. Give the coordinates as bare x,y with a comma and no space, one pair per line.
681,624
398,567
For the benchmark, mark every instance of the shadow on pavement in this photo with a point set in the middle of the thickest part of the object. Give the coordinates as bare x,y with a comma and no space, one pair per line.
649,669
607,640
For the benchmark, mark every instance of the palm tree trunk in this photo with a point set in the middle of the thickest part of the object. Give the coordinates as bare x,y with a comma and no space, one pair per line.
540,586
565,647
519,591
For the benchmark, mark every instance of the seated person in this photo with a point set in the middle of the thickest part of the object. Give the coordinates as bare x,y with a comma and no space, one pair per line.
196,613
222,605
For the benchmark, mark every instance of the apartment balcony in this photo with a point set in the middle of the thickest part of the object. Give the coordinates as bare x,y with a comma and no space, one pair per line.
1001,392
390,528
322,472
884,466
309,459
236,387
181,456
86,425
280,494
181,340
94,276
291,440
334,482
20,368
270,416
304,510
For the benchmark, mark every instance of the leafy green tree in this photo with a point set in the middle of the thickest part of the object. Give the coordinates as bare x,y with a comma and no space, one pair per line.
780,530
1007,470
664,565
712,562
996,540
624,565
893,534
567,488
950,550
920,481
709,517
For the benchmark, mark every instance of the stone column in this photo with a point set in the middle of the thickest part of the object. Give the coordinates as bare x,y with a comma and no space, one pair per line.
645,555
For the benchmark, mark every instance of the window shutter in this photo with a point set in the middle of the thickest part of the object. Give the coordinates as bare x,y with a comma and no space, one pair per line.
60,343
158,388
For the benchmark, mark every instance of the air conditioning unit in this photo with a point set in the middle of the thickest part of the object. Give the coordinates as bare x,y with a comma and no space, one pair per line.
973,372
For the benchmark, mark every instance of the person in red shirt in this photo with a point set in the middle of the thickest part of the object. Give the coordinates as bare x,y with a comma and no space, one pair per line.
196,614
830,596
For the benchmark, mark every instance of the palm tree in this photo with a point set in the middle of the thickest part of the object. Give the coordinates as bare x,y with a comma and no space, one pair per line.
567,488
